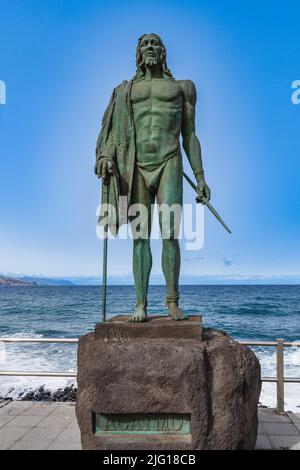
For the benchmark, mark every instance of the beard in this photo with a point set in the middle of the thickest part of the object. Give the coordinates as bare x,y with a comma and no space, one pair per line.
151,61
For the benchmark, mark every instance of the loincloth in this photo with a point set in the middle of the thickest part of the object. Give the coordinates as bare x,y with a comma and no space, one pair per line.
152,171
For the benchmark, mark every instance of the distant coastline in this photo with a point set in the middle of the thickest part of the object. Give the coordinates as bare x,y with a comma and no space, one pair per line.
18,279
6,281
10,281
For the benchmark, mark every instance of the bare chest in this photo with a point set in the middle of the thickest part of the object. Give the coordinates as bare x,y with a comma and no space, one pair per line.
161,90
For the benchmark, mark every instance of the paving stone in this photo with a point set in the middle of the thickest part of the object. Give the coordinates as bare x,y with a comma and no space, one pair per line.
10,410
28,444
271,417
4,445
266,410
296,416
35,410
62,414
4,420
263,443
68,436
261,429
18,406
55,421
281,429
285,442
64,446
63,404
7,415
9,435
41,433
67,412
295,420
3,403
24,421
297,425
73,426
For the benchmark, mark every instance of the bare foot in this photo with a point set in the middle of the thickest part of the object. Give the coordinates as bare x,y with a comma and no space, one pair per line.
175,312
140,314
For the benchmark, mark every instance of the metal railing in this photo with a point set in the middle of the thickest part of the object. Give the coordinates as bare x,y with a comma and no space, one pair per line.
10,373
280,379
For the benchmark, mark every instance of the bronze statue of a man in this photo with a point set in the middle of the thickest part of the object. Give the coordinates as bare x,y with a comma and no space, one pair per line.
138,149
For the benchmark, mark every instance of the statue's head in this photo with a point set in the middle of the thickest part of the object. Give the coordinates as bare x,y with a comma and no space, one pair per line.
151,51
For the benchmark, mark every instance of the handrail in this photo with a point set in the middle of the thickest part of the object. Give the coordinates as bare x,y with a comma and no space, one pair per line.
21,373
16,339
280,344
38,340
267,343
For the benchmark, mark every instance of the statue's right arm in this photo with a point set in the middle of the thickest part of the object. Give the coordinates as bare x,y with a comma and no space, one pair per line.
104,159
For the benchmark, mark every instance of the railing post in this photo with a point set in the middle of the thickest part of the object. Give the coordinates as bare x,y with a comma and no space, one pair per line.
280,375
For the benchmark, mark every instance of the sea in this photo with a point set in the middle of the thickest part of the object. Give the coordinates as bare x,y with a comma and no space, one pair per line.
246,312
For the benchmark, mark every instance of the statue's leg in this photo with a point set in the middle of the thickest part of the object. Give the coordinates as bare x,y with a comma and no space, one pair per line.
142,258
169,198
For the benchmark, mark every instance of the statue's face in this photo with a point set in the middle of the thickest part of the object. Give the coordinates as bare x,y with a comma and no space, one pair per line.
151,50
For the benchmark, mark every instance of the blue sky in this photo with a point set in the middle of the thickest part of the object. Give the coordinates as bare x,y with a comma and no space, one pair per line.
60,61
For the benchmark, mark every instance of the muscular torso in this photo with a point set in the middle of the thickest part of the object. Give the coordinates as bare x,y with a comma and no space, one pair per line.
157,113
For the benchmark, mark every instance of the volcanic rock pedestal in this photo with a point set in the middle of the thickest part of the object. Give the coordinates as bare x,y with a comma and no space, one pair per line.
165,385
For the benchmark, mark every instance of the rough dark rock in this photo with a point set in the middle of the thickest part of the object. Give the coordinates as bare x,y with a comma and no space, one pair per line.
42,394
210,377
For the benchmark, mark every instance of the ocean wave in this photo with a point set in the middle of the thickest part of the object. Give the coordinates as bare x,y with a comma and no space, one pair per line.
36,357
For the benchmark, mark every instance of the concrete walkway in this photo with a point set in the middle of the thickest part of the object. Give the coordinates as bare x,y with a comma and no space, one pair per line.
278,431
26,425
38,426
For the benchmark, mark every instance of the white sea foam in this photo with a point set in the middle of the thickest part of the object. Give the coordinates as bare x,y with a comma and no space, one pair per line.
62,357
267,357
48,357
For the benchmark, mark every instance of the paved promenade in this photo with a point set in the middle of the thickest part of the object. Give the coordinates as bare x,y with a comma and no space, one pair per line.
27,425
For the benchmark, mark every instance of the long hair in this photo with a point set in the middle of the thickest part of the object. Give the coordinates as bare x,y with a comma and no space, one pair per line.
140,65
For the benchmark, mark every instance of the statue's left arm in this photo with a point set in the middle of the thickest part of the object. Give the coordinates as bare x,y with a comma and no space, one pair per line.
190,141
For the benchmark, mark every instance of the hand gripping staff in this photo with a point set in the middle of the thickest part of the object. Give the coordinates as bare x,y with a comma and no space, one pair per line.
208,205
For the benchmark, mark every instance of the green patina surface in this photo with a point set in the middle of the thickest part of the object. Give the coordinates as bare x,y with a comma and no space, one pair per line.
142,423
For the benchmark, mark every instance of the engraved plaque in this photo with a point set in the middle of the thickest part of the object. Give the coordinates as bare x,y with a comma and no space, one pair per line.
141,423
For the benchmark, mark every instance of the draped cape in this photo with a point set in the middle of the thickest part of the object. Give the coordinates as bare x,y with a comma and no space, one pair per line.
116,142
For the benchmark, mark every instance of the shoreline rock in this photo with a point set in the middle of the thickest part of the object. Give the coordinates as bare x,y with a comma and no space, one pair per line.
67,393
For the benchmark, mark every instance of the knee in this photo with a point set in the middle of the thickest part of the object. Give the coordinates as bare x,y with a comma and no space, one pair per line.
141,244
169,233
170,221
170,243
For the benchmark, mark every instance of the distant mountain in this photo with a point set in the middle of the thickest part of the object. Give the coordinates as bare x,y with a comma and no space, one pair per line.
24,280
11,281
43,281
